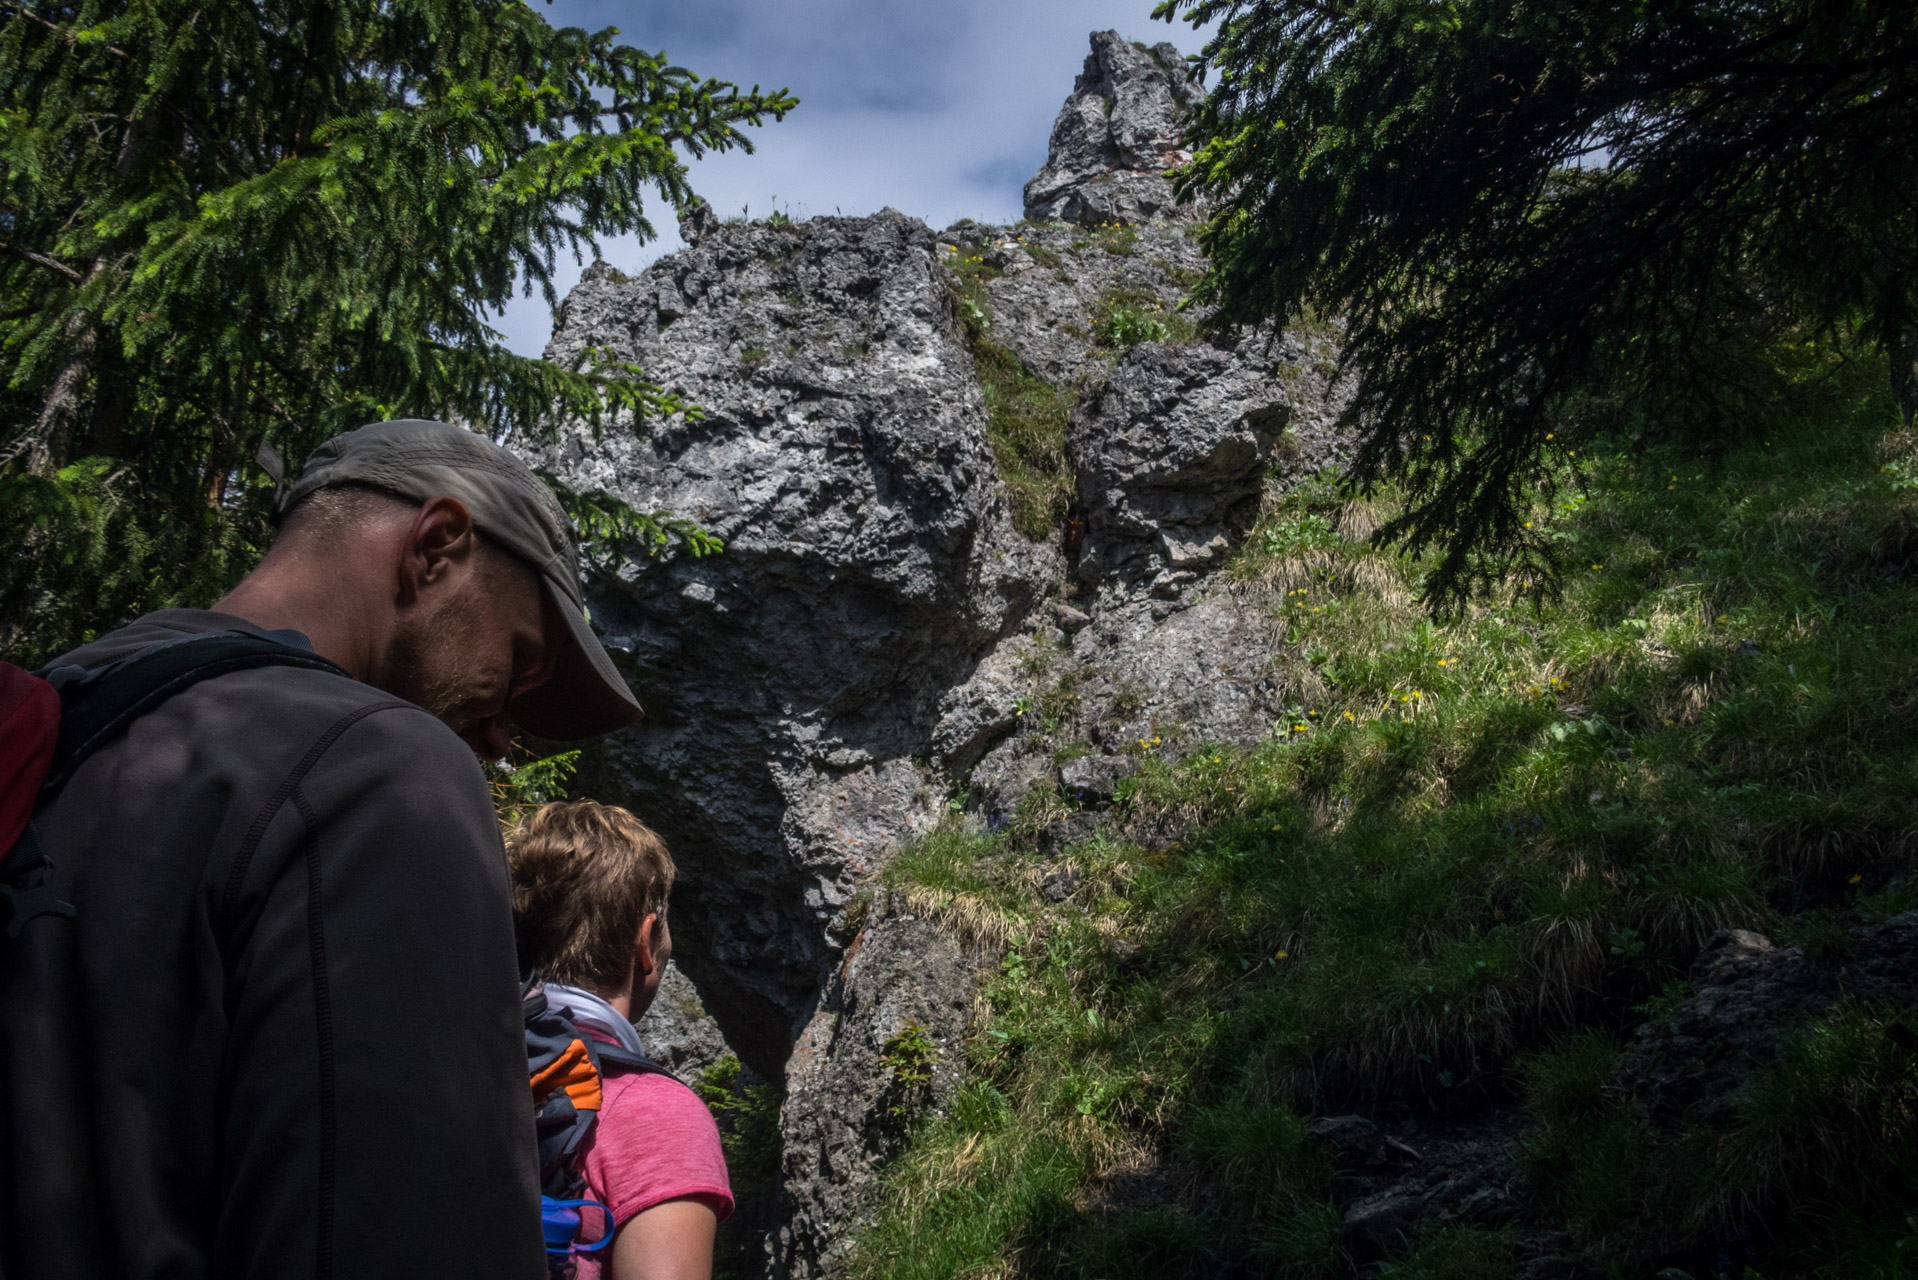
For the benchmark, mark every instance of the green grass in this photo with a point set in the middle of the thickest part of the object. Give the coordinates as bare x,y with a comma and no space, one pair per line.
1470,858
1123,318
748,1119
1025,415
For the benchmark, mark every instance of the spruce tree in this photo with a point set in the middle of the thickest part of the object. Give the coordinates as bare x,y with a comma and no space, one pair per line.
1541,219
224,225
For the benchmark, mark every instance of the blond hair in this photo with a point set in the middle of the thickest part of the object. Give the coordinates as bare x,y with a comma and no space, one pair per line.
585,877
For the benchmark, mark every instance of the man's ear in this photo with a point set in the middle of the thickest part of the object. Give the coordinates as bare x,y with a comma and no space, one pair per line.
440,539
645,955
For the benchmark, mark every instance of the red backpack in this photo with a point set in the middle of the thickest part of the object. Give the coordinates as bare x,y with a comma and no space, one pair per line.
52,720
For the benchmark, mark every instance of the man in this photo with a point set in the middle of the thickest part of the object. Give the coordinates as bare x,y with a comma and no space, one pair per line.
281,1034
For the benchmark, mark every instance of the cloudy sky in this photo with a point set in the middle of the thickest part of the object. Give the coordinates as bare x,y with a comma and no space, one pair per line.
939,108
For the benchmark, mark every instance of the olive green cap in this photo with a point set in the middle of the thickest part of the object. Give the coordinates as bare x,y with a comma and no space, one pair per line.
422,459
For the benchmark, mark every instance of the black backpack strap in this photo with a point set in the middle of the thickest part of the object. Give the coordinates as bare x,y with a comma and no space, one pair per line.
96,707
99,706
612,1057
33,894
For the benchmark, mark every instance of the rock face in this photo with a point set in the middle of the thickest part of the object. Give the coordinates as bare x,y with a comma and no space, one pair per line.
1122,126
677,1031
791,681
889,1044
1171,456
877,645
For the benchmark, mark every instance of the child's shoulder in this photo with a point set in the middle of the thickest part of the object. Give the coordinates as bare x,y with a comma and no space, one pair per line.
661,1097
655,1141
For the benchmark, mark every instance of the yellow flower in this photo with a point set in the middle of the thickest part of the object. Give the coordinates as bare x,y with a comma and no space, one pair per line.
1281,955
1528,524
1548,435
1855,879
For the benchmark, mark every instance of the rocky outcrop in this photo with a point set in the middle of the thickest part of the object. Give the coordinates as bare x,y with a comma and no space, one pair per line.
1171,456
889,1043
677,1031
876,640
1122,126
1688,1069
791,682
1697,1063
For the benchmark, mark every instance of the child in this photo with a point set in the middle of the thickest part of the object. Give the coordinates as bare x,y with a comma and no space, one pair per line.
590,884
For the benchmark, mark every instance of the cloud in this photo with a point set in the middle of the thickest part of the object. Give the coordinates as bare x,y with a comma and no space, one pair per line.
940,109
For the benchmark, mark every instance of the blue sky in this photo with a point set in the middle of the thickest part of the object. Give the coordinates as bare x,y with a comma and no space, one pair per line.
939,108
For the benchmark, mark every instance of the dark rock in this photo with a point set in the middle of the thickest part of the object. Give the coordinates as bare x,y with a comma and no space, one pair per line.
1699,1061
1094,779
677,1031
1060,885
1121,127
851,1101
1469,1167
1357,1141
1074,828
1381,1223
697,221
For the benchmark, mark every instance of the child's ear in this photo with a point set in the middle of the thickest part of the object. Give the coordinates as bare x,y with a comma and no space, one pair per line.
645,955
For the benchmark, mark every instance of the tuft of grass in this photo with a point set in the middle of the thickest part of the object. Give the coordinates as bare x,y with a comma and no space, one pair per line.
1025,415
1118,239
1462,1252
1123,318
1468,852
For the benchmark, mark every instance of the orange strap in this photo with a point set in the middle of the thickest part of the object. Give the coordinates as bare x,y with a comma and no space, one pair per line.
572,1071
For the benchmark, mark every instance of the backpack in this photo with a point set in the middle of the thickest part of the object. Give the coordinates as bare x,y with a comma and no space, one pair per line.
568,1069
51,721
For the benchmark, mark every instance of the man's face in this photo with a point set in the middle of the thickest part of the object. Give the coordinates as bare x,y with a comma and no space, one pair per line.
467,648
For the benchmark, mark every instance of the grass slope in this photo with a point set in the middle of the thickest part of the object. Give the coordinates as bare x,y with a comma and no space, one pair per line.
1469,860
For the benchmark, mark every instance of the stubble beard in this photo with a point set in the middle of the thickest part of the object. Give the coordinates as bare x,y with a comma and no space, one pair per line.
430,665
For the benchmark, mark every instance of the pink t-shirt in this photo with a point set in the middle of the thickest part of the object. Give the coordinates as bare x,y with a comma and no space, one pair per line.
655,1141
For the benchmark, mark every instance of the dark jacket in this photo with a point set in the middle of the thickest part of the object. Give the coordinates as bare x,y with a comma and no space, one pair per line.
282,1036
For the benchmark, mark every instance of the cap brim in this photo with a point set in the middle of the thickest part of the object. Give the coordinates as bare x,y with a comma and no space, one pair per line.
585,696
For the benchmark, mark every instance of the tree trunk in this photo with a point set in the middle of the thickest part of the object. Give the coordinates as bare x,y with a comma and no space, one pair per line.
47,444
